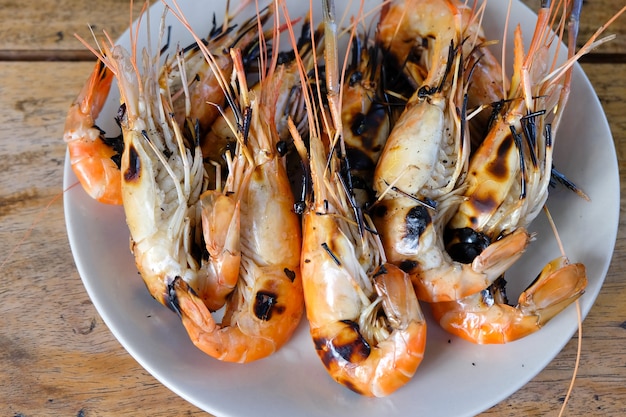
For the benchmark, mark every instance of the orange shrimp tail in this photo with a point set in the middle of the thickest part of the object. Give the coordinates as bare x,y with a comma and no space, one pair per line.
381,369
483,319
99,176
90,156
250,330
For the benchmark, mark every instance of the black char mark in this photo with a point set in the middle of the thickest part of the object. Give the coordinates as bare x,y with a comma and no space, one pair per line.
290,274
498,168
265,305
346,345
133,172
416,221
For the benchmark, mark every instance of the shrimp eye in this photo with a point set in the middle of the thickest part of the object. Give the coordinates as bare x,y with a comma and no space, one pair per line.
465,244
282,147
356,77
299,207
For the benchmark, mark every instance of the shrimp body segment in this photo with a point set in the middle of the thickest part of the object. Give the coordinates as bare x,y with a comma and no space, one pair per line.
365,320
91,157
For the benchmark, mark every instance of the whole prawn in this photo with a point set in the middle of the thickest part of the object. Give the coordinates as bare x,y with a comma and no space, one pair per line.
419,176
266,304
508,184
365,320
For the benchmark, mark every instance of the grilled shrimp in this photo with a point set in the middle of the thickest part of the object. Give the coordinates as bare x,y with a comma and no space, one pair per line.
365,320
221,208
266,303
419,175
162,173
523,138
92,156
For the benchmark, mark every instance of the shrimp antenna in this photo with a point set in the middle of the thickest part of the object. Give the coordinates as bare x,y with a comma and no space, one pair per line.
578,312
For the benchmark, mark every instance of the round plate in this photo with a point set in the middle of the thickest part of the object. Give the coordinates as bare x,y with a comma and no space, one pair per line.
456,378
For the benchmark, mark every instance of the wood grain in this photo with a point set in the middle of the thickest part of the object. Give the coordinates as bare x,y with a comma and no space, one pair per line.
57,358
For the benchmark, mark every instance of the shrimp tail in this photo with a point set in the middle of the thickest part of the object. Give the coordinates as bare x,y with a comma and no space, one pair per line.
487,318
364,368
94,159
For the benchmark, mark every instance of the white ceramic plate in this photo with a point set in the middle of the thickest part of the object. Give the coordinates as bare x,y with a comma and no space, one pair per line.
456,378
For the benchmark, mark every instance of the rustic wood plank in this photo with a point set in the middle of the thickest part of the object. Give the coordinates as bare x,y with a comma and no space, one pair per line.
35,25
593,15
23,28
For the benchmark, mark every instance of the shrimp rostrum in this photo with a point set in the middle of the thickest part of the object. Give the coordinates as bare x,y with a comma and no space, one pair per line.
365,320
260,237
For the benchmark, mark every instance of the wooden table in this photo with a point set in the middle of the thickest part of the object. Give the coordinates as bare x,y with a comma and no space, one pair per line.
57,358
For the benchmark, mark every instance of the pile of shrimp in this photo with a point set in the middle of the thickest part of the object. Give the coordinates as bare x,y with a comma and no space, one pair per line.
264,177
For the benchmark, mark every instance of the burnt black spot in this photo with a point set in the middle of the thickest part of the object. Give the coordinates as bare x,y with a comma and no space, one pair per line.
133,172
416,222
367,126
263,305
465,244
117,144
483,204
379,210
407,266
498,168
290,274
347,345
